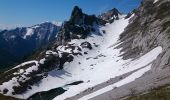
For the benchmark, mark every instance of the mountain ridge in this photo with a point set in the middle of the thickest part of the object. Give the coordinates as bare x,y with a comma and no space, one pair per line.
23,41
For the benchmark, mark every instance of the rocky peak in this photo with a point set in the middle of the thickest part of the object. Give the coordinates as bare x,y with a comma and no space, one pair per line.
110,15
80,18
76,16
79,26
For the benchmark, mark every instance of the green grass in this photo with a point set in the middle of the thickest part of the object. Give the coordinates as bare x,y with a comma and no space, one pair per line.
162,93
2,97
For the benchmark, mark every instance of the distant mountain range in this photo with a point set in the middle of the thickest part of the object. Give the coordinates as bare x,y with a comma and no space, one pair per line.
22,41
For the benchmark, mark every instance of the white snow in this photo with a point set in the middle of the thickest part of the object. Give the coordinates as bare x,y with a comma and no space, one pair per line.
30,32
51,52
62,49
35,26
21,71
57,23
128,79
107,69
155,1
25,63
42,61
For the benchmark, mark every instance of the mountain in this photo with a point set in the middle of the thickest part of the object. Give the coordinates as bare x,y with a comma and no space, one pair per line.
79,26
19,42
110,15
109,57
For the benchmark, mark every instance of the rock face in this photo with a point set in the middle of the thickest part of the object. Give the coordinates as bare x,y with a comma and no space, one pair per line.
79,26
149,28
19,42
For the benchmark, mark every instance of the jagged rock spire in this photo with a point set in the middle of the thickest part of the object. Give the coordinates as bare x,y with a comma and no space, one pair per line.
80,25
76,16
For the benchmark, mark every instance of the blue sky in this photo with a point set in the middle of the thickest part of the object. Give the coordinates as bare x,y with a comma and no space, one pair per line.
30,12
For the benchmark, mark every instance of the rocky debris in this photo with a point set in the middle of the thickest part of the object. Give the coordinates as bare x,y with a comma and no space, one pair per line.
86,45
85,53
51,62
5,91
24,86
32,73
66,57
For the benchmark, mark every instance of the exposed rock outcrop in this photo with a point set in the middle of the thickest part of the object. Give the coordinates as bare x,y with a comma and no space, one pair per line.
149,28
79,26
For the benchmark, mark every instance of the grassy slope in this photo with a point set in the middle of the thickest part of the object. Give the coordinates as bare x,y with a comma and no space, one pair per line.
162,93
2,97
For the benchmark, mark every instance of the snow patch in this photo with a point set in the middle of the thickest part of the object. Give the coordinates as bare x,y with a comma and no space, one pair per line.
155,1
51,52
25,63
57,23
30,32
42,61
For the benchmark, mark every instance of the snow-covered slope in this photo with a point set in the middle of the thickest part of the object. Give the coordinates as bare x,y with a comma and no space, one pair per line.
142,63
104,63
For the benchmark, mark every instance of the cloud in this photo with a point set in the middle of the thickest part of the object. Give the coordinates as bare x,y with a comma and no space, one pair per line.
9,26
